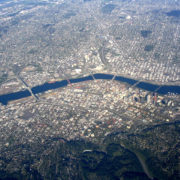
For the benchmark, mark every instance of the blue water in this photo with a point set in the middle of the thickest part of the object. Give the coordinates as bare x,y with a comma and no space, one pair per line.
4,99
103,76
147,86
48,86
126,80
87,78
171,89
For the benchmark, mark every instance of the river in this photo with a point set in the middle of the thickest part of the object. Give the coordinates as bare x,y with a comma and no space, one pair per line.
163,89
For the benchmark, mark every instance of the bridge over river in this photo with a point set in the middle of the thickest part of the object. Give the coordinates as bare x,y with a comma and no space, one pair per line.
160,89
